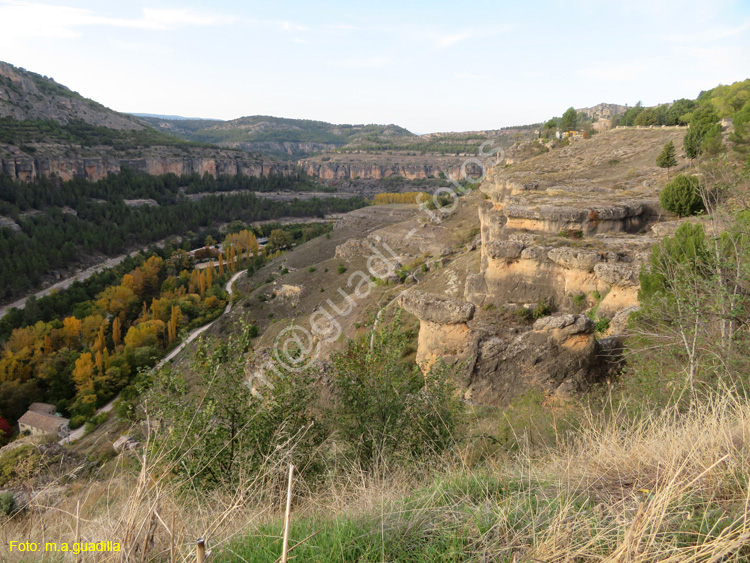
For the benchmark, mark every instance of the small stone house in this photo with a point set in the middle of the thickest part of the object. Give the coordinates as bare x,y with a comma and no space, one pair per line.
43,408
41,420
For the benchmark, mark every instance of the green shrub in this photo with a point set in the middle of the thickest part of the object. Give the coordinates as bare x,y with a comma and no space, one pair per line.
571,233
341,269
543,309
602,324
77,421
233,433
7,504
578,299
9,461
311,269
95,421
386,408
682,196
523,314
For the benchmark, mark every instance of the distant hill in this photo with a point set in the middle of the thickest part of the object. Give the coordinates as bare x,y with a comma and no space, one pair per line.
171,117
26,96
48,129
276,136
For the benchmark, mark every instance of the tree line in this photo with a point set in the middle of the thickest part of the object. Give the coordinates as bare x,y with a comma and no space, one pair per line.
52,238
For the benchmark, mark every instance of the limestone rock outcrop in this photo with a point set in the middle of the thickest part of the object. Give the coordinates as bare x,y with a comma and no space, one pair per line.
569,230
436,308
558,355
154,161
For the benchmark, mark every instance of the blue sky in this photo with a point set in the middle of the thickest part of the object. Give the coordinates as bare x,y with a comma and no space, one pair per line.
428,66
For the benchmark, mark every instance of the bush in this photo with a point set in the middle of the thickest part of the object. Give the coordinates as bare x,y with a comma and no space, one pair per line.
77,421
602,324
385,407
234,432
341,269
10,460
95,421
543,309
682,196
7,504
524,315
578,300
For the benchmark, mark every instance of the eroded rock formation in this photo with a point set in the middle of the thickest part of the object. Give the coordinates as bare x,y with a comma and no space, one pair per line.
568,232
214,162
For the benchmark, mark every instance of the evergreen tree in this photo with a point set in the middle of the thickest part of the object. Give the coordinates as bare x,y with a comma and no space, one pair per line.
569,120
667,157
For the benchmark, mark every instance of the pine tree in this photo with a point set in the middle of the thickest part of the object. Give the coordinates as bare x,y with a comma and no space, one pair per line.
666,158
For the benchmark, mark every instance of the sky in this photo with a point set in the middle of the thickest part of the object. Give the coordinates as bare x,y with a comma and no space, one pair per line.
425,65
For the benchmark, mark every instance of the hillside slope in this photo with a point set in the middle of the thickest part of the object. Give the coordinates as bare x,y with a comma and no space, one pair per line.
46,129
25,95
275,136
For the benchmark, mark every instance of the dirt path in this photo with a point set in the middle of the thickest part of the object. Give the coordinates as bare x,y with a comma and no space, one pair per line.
195,333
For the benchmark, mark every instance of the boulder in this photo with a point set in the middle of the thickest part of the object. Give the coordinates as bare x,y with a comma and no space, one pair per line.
575,258
435,308
560,356
504,249
124,443
619,274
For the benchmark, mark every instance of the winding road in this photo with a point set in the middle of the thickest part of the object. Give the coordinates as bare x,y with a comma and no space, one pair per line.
195,333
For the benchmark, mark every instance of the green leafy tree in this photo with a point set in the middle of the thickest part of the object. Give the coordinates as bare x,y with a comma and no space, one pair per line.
569,120
682,196
691,143
226,432
279,239
385,407
666,158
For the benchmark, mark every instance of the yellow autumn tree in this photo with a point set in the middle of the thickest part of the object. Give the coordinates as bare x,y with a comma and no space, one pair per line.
71,331
116,331
405,197
83,373
144,334
174,322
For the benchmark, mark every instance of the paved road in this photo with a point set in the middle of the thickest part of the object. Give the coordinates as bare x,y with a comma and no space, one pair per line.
80,276
112,262
195,333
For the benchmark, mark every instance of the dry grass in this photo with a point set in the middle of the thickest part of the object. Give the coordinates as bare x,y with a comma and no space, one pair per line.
669,487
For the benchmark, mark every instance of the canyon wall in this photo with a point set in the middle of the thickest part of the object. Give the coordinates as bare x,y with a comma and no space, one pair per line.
379,168
26,168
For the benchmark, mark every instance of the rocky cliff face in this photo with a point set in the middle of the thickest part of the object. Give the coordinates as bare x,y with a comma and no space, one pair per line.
350,167
25,168
292,149
559,355
569,229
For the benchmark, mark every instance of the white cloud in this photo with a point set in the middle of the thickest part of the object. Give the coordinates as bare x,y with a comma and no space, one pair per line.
448,40
290,26
368,62
29,19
